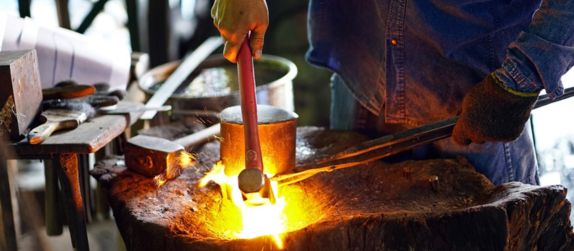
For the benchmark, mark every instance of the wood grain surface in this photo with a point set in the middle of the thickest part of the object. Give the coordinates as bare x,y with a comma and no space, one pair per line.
440,204
88,137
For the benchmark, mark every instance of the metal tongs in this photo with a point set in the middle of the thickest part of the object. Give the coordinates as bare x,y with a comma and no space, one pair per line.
388,145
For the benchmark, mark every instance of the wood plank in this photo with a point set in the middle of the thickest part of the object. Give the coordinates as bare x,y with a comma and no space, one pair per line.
89,137
68,176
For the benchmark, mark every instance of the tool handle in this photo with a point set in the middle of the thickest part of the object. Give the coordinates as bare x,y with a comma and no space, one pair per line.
42,132
246,75
68,91
199,137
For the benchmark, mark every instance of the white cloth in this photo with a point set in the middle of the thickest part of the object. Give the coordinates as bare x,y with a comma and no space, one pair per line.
66,55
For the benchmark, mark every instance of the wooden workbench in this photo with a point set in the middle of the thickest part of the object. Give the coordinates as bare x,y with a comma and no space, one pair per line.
64,147
380,206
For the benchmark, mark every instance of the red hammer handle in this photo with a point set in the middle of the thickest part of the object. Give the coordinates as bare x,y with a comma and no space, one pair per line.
253,158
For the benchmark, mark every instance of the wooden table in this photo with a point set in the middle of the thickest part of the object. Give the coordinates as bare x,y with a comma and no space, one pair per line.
64,147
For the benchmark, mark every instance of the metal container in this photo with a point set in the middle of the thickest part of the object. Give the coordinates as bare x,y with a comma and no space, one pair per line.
274,76
277,133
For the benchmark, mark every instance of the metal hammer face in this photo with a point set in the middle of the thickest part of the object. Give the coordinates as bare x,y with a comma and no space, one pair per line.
266,194
151,156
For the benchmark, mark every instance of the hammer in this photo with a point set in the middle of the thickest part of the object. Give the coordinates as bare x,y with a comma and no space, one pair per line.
252,181
152,156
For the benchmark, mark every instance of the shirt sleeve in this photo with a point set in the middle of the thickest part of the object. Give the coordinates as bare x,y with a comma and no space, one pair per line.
542,53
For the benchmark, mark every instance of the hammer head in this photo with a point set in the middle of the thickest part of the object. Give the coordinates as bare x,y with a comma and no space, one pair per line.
251,180
151,156
256,187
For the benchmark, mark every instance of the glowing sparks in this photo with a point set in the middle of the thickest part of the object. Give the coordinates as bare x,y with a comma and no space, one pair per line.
159,180
263,220
217,175
175,165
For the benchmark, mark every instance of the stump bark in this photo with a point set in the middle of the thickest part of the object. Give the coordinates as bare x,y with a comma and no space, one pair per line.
440,204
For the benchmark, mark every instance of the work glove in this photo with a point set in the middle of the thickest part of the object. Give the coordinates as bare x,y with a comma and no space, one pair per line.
234,19
492,112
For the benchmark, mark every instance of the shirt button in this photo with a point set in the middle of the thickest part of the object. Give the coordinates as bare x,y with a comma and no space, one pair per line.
394,42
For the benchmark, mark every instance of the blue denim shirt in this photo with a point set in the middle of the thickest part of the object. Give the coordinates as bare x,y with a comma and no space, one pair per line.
413,61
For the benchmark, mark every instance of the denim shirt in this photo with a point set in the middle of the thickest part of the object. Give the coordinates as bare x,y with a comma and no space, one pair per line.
413,61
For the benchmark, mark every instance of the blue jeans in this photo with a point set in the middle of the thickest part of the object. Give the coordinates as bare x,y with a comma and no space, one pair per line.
500,162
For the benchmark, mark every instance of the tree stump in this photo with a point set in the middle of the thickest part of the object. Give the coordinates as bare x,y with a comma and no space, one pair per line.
440,204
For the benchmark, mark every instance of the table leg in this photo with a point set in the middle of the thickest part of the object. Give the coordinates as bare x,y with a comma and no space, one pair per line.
84,165
7,226
53,213
69,180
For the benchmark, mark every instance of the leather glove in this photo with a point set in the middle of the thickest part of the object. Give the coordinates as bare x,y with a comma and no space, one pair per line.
492,112
235,18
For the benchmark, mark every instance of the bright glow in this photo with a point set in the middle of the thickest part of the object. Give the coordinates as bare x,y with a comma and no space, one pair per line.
263,220
175,165
159,180
233,218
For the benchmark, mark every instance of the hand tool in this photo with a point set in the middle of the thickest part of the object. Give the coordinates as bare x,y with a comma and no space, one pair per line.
151,156
68,89
20,92
97,95
252,181
56,119
180,74
124,110
83,105
388,145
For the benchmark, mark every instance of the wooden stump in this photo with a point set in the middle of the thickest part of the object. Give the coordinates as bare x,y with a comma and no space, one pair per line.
441,204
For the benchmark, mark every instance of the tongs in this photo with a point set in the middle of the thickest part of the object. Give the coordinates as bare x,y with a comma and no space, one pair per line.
388,145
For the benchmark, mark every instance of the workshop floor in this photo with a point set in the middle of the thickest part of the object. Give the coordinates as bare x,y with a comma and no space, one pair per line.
102,236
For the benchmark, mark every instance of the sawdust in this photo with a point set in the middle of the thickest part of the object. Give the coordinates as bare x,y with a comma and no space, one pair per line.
6,114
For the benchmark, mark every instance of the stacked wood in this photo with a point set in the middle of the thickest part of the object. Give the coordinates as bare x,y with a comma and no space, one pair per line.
440,204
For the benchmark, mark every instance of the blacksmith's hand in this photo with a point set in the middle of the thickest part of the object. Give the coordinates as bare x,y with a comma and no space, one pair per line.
235,18
492,112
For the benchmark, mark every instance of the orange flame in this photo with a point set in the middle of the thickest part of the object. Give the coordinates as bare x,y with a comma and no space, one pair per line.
263,220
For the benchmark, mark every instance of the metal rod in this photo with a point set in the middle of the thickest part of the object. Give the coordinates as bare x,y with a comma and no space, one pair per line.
24,8
389,145
180,74
63,13
89,18
133,24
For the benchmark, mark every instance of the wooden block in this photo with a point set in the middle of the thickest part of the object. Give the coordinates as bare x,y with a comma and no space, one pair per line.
438,204
20,92
151,156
